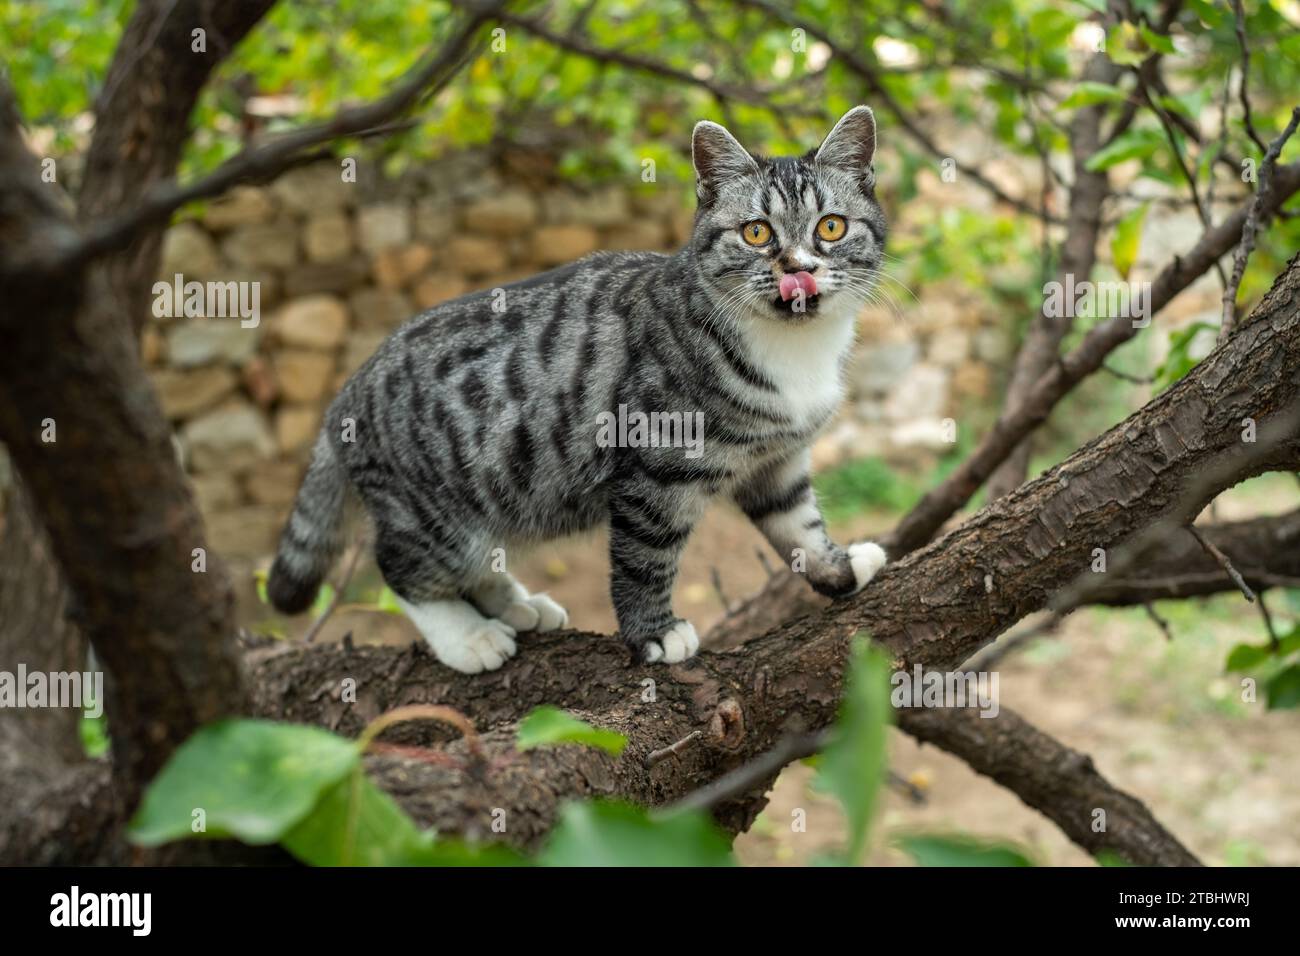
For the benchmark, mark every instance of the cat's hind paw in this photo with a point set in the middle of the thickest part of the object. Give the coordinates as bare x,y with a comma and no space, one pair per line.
678,643
483,649
460,636
866,558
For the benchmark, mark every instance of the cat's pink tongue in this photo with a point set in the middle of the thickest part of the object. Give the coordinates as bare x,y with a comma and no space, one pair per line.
800,280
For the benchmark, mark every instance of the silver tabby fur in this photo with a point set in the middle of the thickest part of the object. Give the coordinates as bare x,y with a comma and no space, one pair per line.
473,429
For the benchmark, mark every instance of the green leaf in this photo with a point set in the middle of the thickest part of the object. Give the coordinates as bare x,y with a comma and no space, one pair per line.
608,833
1247,657
1124,243
853,764
1089,93
324,598
959,850
1208,12
1134,144
1125,45
550,725
1284,689
1111,858
253,780
94,735
446,852
357,824
1157,41
1179,361
388,601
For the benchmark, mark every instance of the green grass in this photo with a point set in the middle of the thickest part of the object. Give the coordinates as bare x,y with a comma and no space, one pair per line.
872,484
866,484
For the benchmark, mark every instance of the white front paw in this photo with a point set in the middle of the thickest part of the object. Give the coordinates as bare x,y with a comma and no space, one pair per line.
520,615
866,558
678,643
550,615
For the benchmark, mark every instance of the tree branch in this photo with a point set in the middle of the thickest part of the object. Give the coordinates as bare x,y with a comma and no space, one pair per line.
431,73
1023,553
1254,219
1042,344
1055,780
886,100
949,496
642,64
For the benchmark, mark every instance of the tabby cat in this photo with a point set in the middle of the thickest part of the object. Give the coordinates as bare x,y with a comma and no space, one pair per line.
476,427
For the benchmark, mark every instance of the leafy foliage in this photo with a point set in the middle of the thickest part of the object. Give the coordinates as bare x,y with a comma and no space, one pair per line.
861,484
1124,242
960,850
94,735
252,779
853,764
1182,357
604,833
1277,664
550,725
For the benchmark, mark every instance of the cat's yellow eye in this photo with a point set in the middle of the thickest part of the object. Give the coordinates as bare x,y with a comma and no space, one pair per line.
831,228
756,233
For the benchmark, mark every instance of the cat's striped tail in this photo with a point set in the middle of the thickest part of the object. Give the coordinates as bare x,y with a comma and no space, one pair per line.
313,537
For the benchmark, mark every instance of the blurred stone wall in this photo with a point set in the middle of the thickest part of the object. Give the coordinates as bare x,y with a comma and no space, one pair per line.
339,265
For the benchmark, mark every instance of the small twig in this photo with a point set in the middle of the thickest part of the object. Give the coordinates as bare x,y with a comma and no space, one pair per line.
1223,562
1222,144
716,578
995,653
1273,640
1251,226
656,757
431,73
908,789
762,559
744,778
342,586
446,715
1159,621
1166,124
1129,376
1240,16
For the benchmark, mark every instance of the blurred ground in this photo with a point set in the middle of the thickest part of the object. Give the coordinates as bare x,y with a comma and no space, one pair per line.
1160,719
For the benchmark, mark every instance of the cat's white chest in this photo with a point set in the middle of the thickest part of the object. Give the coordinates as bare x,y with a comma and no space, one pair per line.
805,362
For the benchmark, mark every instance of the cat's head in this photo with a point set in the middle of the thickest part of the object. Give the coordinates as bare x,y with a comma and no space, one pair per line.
788,238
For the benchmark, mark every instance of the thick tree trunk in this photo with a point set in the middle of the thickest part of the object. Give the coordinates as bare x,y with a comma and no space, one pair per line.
162,630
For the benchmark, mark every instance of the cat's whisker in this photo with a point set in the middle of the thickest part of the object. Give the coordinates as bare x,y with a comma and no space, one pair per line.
900,283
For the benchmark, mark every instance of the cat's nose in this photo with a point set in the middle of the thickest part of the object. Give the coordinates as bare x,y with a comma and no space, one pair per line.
790,268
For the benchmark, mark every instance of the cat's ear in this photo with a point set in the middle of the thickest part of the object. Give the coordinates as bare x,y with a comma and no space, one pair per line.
851,145
717,158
